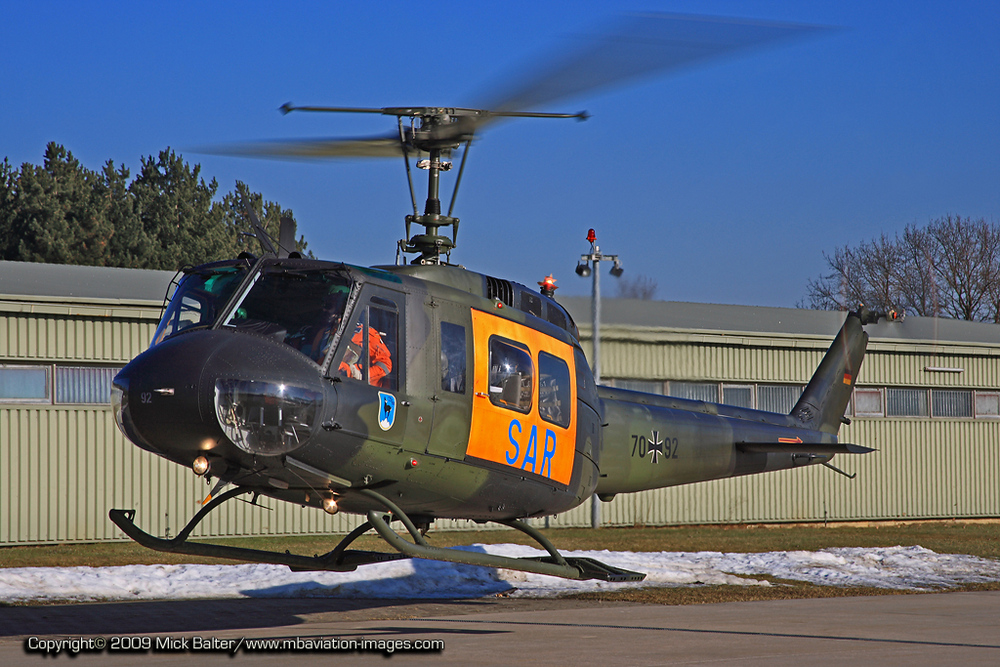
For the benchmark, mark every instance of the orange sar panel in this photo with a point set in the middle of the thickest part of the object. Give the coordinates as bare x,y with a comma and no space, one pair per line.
522,441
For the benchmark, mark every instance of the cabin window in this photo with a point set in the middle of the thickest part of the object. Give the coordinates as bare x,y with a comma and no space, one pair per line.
510,377
582,372
554,315
531,303
554,396
453,357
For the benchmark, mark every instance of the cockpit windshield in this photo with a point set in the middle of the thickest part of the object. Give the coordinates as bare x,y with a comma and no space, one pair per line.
199,297
300,308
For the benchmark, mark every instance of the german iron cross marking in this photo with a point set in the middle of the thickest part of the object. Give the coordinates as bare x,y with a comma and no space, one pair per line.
655,447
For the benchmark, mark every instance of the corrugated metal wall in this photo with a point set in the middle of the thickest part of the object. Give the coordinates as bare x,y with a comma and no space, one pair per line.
769,359
923,469
63,467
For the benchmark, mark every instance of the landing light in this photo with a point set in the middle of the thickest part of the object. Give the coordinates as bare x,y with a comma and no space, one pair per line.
330,505
200,465
266,418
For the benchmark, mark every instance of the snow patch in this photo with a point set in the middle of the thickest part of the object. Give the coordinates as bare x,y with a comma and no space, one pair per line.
913,568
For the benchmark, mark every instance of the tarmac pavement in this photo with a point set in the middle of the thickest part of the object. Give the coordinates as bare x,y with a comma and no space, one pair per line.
922,629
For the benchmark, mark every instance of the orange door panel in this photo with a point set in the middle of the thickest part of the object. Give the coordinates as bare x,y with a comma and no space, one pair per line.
507,427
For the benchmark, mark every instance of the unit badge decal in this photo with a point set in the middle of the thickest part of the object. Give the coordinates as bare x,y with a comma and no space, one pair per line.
386,411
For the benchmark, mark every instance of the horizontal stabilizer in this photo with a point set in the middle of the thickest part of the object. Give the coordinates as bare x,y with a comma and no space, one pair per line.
804,447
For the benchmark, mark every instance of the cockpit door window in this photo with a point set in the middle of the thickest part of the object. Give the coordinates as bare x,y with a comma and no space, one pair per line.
371,354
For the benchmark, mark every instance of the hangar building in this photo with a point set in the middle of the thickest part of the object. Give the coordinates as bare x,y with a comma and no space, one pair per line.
928,397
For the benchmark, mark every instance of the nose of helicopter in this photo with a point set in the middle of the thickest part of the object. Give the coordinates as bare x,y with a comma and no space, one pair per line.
219,391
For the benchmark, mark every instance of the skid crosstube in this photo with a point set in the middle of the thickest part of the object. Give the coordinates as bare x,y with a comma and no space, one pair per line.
342,559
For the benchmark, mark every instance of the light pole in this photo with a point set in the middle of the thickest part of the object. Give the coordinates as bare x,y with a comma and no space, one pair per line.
584,269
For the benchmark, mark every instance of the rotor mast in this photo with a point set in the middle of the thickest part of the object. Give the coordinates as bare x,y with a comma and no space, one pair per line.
441,131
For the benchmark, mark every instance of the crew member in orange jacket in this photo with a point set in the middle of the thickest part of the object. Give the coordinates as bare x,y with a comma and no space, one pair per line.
380,361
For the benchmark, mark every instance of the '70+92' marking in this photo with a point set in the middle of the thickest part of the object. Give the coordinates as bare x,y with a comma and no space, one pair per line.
654,446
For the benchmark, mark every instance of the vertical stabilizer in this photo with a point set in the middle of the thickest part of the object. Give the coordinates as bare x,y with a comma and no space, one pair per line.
824,401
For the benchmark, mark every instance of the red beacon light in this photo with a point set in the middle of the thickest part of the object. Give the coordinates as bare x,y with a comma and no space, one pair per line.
548,286
591,235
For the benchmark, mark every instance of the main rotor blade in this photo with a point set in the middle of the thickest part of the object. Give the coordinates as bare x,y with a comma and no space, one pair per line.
636,46
305,149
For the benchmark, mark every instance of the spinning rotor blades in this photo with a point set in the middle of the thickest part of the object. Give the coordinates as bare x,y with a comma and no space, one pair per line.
636,46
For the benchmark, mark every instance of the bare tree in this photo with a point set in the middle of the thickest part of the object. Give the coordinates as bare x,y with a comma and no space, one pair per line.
871,274
950,268
641,287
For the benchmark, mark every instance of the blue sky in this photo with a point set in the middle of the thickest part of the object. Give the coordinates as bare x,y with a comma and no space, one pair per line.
724,182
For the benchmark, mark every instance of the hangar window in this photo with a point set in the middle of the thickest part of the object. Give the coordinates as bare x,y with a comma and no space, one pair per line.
695,391
951,402
779,398
510,376
740,395
988,404
906,402
868,402
84,385
647,386
60,385
25,384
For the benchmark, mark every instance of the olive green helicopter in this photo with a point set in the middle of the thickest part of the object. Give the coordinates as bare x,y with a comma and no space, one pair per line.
422,390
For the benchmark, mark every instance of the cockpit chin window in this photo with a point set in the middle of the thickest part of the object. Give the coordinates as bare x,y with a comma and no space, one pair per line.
199,298
302,309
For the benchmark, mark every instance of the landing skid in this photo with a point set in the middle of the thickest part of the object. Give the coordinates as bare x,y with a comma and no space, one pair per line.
342,559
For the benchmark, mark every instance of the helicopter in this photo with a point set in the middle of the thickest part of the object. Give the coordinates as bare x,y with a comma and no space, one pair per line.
423,390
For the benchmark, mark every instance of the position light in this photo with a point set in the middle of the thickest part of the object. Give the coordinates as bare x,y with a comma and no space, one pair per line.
200,465
330,505
617,270
582,270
